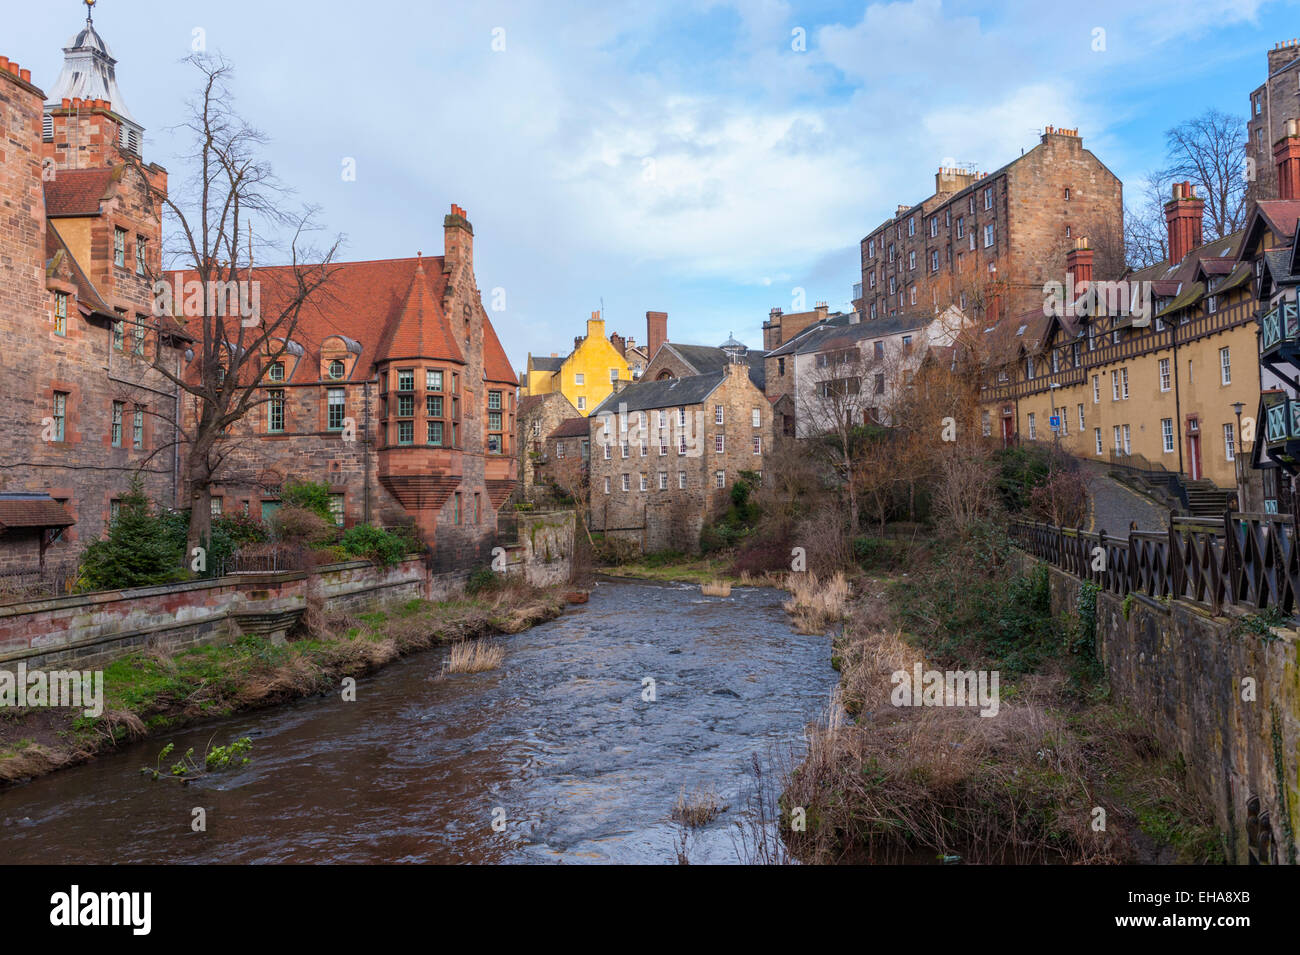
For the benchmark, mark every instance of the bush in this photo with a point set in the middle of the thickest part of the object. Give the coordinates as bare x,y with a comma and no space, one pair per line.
298,525
760,556
376,544
1021,468
241,528
879,553
313,496
480,581
141,548
612,551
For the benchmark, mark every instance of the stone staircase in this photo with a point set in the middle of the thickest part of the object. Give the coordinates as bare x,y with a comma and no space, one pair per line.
1206,499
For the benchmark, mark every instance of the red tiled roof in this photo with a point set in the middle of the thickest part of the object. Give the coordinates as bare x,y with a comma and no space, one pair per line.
88,297
33,513
496,366
420,329
77,192
1281,214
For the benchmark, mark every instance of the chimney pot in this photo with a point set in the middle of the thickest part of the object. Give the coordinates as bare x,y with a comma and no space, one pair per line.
26,75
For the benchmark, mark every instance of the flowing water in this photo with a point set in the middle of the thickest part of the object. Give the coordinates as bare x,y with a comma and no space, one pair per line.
557,746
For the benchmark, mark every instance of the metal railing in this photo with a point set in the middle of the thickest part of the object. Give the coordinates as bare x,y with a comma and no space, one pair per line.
1250,562
34,583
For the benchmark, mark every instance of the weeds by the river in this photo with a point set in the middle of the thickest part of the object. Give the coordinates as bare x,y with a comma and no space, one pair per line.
473,656
816,604
699,807
215,759
716,588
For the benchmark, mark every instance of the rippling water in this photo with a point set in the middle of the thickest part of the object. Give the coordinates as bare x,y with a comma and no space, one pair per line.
558,741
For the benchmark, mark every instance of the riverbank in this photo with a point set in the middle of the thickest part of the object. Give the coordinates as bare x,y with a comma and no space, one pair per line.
149,693
1056,772
686,569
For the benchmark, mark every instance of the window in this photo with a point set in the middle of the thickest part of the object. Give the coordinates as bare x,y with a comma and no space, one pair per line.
118,408
494,420
1123,382
1229,444
1128,448
1114,386
119,248
606,455
988,235
119,334
663,480
114,509
644,446
559,449
433,409
432,380
1119,444
1081,424
1164,374
891,285
757,418
988,198
334,409
961,227
717,414
1033,427
627,482
435,433
405,406
406,432
579,379
681,417
1225,366
406,379
934,226
879,385
911,226
1096,389
138,345
607,482
214,506
719,443
613,374
336,509
139,254
275,412
494,401
681,445
681,480
1067,193
1097,433
758,444
971,241
137,428
455,507
582,403
871,248
276,371
720,479
1167,434
60,313
663,446
911,261
626,450
911,295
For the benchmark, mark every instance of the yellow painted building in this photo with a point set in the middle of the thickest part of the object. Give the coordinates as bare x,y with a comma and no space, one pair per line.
586,376
1143,381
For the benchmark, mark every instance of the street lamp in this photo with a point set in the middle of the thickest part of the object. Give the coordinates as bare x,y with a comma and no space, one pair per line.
1238,470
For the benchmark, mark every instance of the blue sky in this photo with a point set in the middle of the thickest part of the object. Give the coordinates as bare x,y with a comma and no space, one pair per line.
678,157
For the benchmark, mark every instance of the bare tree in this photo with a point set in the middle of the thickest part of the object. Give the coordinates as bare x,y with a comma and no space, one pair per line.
1146,237
1210,150
241,321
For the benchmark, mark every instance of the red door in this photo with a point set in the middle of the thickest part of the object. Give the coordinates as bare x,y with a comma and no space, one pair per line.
1008,430
1194,448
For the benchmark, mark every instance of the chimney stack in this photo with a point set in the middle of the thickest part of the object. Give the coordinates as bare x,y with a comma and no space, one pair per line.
656,331
1078,262
1183,215
458,240
1286,154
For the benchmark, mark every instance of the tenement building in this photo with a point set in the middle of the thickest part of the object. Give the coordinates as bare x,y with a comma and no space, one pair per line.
1271,105
987,243
79,243
665,453
394,388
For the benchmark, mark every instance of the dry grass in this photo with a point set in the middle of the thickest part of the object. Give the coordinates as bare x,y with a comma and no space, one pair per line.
716,588
473,656
697,808
817,604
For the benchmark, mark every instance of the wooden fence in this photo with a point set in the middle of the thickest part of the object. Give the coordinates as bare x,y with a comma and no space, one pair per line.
1249,561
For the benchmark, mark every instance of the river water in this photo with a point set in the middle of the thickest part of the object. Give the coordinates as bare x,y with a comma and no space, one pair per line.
558,747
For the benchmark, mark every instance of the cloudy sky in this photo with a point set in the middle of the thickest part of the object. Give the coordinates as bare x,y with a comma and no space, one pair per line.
708,159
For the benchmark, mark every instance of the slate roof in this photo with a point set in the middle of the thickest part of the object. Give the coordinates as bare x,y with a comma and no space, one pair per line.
667,393
547,364
572,428
831,333
707,359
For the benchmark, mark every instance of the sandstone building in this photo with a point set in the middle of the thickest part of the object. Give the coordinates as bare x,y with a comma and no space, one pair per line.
987,243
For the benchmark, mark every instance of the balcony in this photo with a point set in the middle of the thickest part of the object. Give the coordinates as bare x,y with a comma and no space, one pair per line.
1282,429
1279,334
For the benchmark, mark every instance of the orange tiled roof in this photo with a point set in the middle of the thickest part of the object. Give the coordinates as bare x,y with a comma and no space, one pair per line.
78,192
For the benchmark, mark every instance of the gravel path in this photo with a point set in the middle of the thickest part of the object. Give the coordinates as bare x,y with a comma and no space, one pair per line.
1113,505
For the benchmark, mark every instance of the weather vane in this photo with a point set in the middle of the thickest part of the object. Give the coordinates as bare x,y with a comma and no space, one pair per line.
90,9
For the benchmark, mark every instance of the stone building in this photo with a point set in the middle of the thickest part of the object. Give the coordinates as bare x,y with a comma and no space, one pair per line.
988,243
565,456
539,415
665,452
393,388
79,241
1272,103
674,360
588,374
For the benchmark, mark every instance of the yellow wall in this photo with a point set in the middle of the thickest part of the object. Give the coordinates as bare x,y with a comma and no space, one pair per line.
1202,394
537,381
592,359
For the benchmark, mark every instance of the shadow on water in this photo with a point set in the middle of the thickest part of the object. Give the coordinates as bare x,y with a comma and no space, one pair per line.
559,742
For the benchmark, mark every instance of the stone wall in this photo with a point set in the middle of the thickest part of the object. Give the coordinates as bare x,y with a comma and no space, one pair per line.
88,630
1187,673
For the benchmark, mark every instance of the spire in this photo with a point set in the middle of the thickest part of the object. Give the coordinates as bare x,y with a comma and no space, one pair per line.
89,73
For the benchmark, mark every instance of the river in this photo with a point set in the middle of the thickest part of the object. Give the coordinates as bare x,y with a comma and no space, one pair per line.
558,747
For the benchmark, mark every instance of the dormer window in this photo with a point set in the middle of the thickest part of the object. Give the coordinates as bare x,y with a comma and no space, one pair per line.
276,371
337,369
